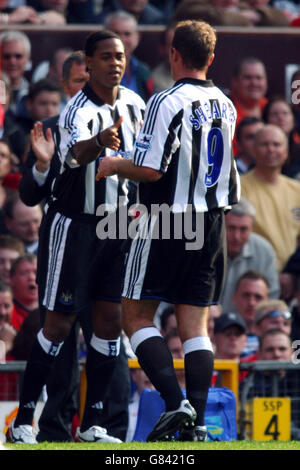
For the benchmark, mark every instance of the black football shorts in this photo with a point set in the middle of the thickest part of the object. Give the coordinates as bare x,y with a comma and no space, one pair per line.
164,269
75,267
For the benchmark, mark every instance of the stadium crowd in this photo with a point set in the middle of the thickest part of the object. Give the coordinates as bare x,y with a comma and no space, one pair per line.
260,302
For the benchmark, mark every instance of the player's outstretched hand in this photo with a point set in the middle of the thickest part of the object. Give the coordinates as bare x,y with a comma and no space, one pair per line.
42,145
109,137
107,167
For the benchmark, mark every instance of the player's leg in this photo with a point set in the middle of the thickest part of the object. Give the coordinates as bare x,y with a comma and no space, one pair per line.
198,361
156,360
55,423
102,355
205,280
46,347
60,264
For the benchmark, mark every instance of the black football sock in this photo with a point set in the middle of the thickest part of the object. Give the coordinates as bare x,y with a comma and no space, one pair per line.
36,373
157,362
198,374
99,371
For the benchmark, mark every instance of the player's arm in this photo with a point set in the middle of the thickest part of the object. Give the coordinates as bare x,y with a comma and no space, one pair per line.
127,169
86,151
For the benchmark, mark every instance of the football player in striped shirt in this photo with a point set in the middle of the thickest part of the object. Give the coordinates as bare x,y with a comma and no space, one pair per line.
183,161
75,267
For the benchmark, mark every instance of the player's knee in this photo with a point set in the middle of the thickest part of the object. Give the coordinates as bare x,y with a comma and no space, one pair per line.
108,324
57,332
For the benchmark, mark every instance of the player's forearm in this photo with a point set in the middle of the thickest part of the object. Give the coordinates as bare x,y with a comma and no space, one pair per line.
127,169
86,151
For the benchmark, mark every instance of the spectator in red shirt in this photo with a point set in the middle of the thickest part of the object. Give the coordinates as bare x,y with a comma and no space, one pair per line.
25,290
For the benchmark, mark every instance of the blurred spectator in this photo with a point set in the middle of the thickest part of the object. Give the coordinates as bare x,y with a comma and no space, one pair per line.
20,14
275,197
275,345
10,249
231,12
245,133
263,14
278,111
246,251
175,346
142,10
137,76
52,68
230,336
15,59
248,88
42,101
24,287
64,11
251,289
214,312
7,331
215,12
167,319
74,74
271,314
51,11
291,8
161,74
23,222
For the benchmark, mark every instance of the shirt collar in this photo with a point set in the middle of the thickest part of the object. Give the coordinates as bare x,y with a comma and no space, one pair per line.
195,81
92,96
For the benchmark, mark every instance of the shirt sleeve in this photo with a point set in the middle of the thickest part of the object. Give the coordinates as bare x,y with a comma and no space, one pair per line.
158,138
73,128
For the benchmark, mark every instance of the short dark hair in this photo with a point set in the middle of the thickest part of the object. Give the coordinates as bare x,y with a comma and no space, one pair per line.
166,313
95,37
246,60
252,275
271,101
77,57
272,332
46,84
195,41
173,333
31,257
247,121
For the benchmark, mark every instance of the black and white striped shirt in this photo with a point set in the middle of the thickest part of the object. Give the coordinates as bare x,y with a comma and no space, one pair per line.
76,190
187,134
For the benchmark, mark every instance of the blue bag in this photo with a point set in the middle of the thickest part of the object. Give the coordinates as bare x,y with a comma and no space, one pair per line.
220,414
